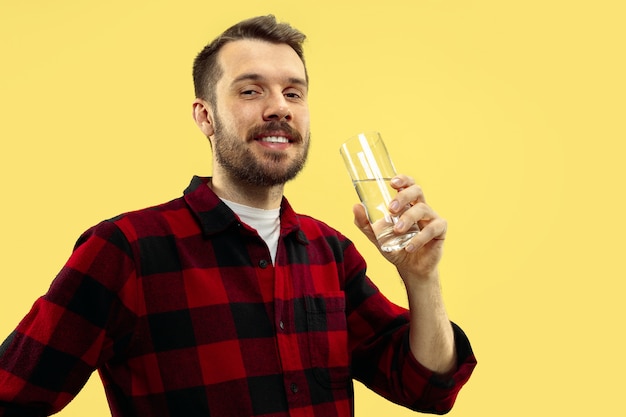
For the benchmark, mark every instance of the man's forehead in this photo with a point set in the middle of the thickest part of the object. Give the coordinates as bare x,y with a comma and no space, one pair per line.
252,56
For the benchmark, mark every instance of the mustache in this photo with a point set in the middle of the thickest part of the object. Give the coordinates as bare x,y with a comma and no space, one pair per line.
272,127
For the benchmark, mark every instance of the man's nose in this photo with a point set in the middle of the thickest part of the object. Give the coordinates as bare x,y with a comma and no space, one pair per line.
277,109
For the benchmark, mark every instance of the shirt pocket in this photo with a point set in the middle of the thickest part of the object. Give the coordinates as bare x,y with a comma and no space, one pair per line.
328,338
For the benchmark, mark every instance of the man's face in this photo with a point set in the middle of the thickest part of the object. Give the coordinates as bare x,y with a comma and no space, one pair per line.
261,115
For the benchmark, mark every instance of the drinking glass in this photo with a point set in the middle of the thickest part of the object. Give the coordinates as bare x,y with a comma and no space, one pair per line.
371,170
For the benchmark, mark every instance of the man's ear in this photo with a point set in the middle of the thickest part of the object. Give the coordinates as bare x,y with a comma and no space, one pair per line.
203,116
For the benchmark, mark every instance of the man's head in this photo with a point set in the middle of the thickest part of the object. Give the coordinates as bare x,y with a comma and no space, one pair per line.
252,102
206,68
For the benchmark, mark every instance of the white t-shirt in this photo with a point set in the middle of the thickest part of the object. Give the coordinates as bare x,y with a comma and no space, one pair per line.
265,222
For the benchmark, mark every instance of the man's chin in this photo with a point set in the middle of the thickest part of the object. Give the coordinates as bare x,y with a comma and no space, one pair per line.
269,176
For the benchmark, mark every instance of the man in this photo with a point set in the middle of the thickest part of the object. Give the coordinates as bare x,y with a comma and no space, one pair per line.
225,302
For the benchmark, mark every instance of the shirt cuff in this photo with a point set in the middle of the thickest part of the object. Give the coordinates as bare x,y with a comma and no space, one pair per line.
442,390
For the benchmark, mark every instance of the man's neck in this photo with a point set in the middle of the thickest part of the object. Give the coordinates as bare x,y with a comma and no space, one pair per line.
250,195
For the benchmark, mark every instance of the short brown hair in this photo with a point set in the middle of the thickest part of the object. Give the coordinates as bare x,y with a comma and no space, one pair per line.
206,69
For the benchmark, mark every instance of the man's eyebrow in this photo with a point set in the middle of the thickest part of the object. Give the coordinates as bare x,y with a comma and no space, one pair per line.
246,77
299,81
259,77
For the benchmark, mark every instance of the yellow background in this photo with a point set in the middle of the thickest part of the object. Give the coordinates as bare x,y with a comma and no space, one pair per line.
510,114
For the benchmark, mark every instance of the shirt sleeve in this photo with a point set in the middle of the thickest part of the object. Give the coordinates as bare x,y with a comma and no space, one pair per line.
381,356
70,330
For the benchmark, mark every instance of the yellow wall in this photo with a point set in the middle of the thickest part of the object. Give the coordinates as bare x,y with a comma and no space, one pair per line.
510,114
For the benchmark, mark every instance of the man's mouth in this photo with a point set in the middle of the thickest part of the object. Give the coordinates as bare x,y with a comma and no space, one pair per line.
274,139
275,135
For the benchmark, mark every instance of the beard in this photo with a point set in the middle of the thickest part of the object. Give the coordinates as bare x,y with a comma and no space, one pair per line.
272,168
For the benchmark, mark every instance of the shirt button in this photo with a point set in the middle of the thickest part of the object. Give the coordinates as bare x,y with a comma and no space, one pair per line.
294,388
281,324
263,263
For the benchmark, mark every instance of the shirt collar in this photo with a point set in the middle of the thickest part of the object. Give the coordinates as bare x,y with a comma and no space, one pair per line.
214,216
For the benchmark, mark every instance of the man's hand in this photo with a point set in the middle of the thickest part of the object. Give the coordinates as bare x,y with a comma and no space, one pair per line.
423,253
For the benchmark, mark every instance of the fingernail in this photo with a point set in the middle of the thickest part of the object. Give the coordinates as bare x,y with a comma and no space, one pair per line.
394,205
396,181
400,225
410,247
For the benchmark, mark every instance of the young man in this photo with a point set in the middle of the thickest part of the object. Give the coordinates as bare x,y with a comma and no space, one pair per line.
225,302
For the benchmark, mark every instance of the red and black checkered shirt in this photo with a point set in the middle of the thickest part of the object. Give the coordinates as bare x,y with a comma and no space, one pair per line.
181,311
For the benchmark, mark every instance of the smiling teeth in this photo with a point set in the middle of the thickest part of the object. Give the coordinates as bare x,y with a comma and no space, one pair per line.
275,139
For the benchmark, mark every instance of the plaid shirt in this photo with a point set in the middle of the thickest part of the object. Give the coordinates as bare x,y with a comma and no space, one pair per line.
181,311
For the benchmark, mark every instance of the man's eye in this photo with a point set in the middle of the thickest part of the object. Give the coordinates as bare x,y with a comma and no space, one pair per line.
294,94
249,92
